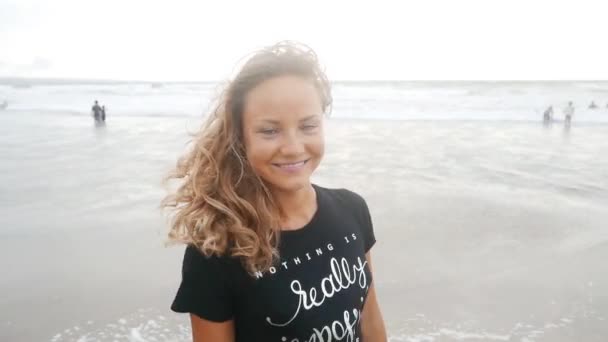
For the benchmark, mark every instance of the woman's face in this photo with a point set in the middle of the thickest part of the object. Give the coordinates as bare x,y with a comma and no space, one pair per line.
283,131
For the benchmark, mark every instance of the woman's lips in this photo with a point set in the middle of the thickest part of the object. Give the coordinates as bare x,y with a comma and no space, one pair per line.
291,167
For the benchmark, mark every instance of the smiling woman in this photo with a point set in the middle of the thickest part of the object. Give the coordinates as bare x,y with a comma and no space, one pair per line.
246,207
285,142
245,149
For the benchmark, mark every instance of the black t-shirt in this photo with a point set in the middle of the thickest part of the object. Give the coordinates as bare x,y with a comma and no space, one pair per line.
316,291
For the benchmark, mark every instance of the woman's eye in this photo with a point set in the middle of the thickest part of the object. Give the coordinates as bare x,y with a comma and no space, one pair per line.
309,127
269,131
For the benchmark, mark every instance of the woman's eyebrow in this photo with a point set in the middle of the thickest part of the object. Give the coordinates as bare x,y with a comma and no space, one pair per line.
273,121
270,121
309,118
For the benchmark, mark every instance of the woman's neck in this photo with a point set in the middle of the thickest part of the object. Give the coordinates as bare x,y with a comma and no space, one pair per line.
296,207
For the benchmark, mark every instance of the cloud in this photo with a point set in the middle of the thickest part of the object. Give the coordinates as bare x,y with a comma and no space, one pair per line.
37,65
380,39
8,16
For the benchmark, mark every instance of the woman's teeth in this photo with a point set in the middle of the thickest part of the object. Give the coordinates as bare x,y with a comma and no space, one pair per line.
292,166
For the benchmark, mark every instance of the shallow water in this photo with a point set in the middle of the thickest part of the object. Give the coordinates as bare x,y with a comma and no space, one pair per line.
487,230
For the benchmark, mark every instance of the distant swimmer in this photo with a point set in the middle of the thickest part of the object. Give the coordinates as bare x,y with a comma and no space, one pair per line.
103,113
3,105
568,113
548,115
96,109
592,105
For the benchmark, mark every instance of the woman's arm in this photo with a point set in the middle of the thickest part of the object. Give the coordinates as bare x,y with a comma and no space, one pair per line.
208,331
372,324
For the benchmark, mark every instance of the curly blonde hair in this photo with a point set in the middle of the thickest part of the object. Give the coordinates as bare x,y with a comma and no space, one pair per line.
221,206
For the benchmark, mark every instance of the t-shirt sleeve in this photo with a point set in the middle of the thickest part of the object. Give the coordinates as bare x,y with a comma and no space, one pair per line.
205,287
368,227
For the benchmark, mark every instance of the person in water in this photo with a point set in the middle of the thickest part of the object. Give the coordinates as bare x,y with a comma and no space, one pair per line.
103,113
548,115
269,255
96,109
568,113
592,105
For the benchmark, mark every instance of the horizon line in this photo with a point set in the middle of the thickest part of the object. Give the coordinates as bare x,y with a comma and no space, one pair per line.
12,80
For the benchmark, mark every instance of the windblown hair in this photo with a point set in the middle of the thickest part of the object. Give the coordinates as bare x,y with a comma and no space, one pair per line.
221,206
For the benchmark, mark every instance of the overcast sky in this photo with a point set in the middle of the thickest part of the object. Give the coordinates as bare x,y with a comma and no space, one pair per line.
203,40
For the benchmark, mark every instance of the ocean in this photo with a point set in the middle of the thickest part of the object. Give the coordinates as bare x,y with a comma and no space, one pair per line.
490,225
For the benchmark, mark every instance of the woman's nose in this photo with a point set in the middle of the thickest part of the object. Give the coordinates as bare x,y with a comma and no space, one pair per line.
292,144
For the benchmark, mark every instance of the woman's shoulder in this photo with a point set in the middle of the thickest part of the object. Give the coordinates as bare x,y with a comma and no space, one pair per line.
341,196
196,261
347,202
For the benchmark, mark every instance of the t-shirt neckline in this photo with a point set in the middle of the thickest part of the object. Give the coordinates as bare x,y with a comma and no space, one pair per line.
315,217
